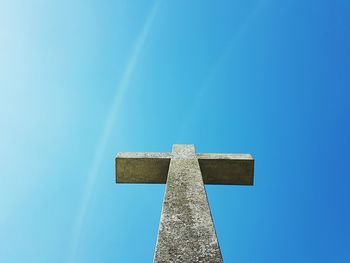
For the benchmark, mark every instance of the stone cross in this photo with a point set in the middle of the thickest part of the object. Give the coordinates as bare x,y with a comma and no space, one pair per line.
186,232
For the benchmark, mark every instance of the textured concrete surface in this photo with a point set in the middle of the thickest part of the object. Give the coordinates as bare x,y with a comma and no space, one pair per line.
186,231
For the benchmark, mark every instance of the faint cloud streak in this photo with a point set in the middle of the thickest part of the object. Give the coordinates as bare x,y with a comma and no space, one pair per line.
107,129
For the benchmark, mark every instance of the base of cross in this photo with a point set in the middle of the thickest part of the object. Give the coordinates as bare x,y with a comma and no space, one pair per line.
186,231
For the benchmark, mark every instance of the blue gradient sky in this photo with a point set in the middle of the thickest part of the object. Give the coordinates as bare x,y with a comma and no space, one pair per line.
82,80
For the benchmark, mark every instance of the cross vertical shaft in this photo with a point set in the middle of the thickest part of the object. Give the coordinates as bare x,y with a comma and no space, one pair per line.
186,231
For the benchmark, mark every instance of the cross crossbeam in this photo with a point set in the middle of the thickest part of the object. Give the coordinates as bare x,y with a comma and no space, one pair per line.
186,231
143,168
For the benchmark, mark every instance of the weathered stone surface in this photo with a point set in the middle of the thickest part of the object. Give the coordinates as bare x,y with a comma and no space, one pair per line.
186,231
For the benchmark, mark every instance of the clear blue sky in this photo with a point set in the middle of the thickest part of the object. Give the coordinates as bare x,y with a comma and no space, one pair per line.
83,80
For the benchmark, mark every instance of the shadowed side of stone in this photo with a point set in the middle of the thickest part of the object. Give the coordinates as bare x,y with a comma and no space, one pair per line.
142,168
229,169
